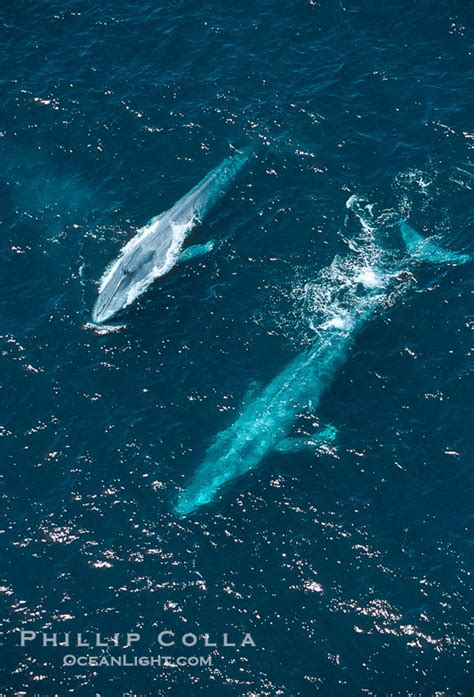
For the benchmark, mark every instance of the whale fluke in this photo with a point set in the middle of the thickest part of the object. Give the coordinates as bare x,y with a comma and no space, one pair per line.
425,250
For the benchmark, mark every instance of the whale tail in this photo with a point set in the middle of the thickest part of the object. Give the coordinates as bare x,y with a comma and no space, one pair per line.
424,249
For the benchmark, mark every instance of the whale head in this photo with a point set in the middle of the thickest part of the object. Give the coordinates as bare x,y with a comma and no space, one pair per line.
115,294
124,281
190,501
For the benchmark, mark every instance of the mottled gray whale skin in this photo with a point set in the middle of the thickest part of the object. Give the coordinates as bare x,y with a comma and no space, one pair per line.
156,248
348,294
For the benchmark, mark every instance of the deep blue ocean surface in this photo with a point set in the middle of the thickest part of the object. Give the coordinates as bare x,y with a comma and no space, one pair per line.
351,565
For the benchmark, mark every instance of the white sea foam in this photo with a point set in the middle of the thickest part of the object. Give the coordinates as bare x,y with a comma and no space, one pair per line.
360,280
103,328
369,278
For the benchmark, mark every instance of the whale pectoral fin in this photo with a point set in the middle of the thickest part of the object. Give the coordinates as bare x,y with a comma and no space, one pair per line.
426,250
197,250
322,438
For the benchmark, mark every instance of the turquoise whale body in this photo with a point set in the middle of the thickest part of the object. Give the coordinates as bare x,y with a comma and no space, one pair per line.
157,247
349,293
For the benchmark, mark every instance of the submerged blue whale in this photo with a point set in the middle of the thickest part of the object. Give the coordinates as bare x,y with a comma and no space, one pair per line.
156,248
348,294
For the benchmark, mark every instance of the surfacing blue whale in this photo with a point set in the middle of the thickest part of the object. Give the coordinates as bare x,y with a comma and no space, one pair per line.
157,247
347,294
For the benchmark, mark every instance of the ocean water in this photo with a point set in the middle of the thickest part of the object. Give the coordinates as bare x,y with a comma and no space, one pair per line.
349,566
